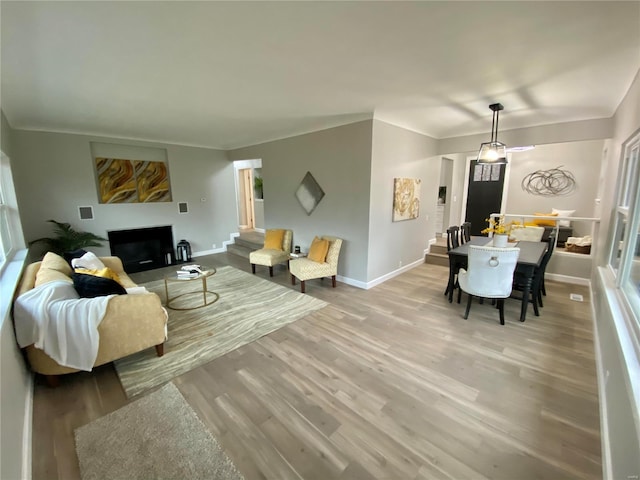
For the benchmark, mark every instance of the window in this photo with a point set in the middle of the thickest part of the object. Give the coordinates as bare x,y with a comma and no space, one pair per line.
8,242
624,256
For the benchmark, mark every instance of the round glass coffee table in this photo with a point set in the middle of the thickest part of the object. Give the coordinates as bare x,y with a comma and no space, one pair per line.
208,297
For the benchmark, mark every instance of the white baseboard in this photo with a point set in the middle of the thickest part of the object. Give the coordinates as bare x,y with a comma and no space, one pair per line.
27,433
352,282
381,279
568,279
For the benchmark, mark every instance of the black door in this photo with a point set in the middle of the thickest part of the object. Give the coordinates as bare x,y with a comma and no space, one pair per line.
484,194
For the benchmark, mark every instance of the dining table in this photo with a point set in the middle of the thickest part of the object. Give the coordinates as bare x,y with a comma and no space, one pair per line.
530,258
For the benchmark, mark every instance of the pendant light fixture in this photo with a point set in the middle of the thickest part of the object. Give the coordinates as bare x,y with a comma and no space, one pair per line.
493,152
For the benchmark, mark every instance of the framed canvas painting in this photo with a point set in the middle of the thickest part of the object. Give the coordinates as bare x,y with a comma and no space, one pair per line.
406,198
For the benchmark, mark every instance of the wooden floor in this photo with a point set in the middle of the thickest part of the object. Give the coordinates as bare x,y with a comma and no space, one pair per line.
388,383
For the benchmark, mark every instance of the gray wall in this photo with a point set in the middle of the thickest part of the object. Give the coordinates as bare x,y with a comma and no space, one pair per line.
582,159
340,161
54,174
543,134
397,152
618,365
15,379
5,135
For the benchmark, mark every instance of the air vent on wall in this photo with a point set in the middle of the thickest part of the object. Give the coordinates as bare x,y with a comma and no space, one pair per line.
183,207
86,213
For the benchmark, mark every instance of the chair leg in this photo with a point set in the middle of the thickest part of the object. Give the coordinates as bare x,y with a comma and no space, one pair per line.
501,310
459,294
466,312
302,289
333,281
271,271
293,279
160,349
253,268
540,298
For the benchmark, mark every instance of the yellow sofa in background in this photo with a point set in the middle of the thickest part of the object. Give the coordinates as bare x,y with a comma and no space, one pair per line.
132,323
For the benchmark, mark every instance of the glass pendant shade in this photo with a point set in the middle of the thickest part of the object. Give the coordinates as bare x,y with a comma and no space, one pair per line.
493,152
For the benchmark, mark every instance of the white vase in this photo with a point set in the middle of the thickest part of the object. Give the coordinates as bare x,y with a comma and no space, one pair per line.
500,240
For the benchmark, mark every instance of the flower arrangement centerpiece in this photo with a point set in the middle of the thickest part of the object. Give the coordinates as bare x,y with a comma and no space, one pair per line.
498,228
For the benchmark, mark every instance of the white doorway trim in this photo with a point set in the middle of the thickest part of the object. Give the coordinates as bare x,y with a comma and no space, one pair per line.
244,192
465,191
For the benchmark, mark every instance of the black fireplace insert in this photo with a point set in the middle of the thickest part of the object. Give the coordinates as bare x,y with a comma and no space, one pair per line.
143,249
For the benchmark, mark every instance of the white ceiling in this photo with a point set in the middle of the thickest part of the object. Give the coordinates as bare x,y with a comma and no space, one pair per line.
230,74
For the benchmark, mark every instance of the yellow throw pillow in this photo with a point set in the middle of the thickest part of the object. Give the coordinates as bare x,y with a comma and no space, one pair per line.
56,262
273,239
53,267
544,222
105,272
318,250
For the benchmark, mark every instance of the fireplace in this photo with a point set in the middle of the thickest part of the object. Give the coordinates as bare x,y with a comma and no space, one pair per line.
143,249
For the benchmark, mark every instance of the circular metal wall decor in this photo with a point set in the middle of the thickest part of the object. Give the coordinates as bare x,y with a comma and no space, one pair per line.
548,183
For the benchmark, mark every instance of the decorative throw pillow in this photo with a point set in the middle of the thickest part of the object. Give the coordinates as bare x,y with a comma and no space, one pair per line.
88,260
90,286
68,256
318,250
54,261
53,268
273,239
563,213
543,222
105,272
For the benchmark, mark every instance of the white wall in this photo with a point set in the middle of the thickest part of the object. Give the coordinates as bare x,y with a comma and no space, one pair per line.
397,152
582,159
54,174
618,362
16,384
340,161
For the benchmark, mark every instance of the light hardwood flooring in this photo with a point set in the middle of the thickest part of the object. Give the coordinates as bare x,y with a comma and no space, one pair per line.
387,383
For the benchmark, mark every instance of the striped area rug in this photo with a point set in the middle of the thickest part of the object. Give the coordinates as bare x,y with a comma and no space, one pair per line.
248,308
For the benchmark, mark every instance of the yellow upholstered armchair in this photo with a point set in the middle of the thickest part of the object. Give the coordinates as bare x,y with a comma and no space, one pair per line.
277,246
315,265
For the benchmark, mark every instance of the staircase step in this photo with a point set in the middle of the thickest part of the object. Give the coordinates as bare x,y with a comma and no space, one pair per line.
437,248
437,259
240,250
251,240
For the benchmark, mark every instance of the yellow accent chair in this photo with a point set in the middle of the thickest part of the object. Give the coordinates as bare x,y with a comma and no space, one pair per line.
306,269
270,255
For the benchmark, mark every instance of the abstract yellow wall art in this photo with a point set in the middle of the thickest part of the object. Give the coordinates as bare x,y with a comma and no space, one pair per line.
132,181
116,181
406,198
152,179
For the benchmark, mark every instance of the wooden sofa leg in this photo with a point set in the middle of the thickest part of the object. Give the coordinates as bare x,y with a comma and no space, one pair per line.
253,268
53,381
302,290
293,279
271,271
160,349
333,281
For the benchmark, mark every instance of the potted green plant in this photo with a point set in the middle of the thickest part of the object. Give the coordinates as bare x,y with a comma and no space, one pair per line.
68,239
257,185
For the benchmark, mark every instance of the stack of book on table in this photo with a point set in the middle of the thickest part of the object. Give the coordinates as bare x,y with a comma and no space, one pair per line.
189,271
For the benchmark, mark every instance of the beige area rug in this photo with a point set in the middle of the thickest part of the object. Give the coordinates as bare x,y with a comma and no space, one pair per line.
248,308
158,436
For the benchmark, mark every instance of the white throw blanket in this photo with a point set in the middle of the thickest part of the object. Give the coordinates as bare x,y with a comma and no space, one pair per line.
56,320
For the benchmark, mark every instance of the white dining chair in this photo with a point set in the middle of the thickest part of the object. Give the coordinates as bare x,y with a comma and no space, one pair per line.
489,274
